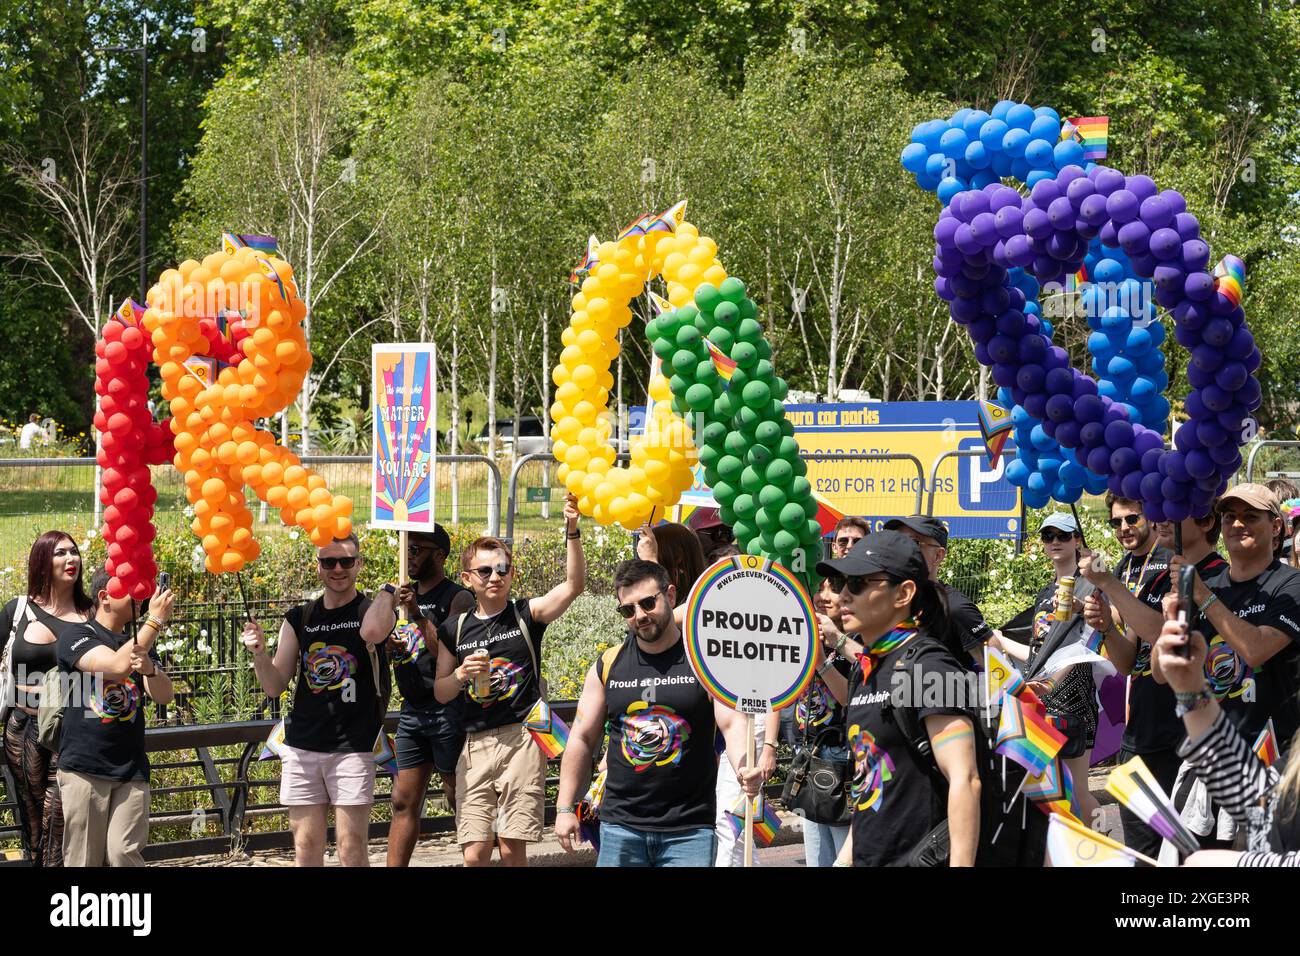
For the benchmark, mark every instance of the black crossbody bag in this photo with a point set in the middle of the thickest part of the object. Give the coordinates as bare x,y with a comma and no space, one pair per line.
817,787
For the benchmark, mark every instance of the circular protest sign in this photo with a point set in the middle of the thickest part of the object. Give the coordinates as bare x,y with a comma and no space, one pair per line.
751,634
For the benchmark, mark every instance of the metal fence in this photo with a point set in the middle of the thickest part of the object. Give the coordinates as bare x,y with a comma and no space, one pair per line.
1273,459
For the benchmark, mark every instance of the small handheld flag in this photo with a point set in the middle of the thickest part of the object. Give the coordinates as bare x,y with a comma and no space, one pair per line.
723,362
995,428
766,820
589,261
1071,844
550,732
274,747
130,313
1025,734
1133,785
1092,132
231,241
1230,279
1052,791
1001,676
1266,744
385,753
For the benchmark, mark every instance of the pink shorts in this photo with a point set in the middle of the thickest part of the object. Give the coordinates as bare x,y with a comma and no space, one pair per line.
308,778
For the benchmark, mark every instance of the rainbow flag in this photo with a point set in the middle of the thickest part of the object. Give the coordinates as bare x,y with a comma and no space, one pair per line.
766,820
384,752
1052,791
1025,734
588,811
828,516
723,362
130,313
589,261
661,304
1266,744
230,241
1070,844
669,219
1092,132
1230,279
637,227
269,271
1134,787
995,428
550,732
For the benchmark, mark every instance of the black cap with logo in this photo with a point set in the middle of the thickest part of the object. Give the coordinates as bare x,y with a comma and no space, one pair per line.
892,552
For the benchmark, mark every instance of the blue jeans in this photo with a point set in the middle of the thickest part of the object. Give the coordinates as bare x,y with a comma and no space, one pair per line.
623,846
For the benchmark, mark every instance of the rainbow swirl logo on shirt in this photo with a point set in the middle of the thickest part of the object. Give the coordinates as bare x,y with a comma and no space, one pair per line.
507,676
815,708
1043,621
327,666
654,735
872,766
118,701
1142,662
1226,674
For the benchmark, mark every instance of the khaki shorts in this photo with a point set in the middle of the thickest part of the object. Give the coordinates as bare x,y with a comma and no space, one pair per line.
500,786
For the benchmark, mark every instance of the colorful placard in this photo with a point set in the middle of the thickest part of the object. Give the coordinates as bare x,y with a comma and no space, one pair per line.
404,405
751,634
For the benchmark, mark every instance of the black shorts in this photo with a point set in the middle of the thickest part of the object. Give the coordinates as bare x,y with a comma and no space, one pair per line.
429,736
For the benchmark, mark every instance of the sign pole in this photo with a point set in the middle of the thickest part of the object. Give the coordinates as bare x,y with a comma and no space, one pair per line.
402,557
750,758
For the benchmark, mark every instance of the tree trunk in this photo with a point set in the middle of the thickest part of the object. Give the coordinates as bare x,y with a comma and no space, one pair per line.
492,368
455,409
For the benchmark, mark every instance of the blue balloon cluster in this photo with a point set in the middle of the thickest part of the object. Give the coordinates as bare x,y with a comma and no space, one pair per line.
973,149
1126,337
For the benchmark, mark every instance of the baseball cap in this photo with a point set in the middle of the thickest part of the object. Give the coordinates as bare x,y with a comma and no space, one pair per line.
923,525
1253,496
438,537
1061,521
889,551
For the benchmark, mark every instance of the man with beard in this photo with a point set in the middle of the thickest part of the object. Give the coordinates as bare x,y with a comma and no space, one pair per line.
1153,731
659,804
429,734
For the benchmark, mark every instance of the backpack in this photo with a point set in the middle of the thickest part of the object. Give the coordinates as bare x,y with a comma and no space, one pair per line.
995,815
8,687
542,689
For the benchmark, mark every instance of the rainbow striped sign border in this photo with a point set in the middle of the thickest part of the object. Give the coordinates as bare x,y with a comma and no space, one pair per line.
699,597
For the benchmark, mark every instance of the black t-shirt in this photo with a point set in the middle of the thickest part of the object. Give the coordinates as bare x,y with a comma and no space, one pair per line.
1152,724
894,797
817,713
1139,572
103,722
1250,698
966,620
662,767
335,706
415,679
515,687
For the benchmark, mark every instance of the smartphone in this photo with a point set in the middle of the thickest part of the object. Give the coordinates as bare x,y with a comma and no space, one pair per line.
1186,578
164,580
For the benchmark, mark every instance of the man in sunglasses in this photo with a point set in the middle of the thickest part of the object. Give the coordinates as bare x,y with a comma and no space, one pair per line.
964,618
338,708
659,803
429,734
848,532
501,772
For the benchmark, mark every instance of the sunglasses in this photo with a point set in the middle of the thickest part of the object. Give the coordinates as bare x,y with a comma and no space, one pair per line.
836,581
1049,536
855,584
845,543
485,574
1130,520
646,604
329,564
417,548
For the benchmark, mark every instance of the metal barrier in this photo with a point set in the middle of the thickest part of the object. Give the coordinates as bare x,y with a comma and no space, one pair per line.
1259,446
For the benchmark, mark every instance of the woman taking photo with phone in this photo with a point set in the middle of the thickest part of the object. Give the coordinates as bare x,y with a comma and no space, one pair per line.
898,792
30,626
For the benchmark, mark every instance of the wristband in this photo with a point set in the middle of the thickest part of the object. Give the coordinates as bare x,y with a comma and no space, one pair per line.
571,535
839,645
153,622
768,743
1188,702
566,809
390,589
1208,601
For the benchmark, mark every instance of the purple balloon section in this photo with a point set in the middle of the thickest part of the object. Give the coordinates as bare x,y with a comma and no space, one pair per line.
982,234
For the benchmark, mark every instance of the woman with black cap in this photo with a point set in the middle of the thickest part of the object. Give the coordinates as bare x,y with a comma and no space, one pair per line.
913,741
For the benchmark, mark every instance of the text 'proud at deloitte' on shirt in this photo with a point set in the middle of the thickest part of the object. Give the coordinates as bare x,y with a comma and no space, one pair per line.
335,706
415,679
1251,697
515,688
893,797
662,766
103,723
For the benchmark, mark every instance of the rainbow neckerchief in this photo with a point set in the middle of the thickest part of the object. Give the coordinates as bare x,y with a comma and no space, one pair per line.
895,639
